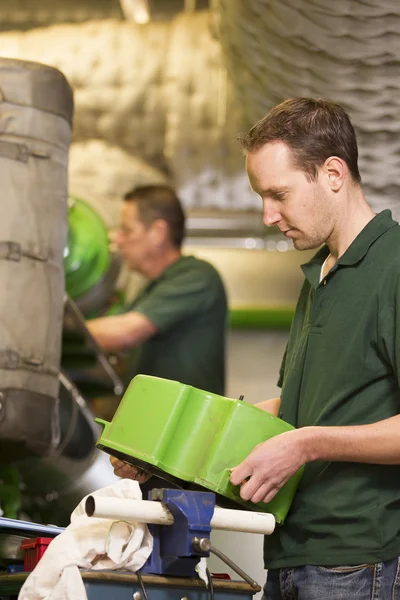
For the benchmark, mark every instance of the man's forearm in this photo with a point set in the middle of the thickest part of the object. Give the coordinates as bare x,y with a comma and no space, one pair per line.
121,331
272,463
271,406
108,333
377,443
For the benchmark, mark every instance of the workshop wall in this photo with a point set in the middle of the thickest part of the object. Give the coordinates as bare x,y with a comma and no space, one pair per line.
156,97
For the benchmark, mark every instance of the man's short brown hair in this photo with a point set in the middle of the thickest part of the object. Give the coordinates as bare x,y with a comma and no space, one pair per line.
160,202
313,129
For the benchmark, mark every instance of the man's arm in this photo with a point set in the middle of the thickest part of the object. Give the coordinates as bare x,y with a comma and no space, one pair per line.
121,331
272,463
270,406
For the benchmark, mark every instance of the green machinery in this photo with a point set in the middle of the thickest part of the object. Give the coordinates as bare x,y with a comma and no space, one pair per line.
192,437
90,268
91,271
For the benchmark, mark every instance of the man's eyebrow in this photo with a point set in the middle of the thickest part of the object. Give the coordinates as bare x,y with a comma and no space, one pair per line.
274,191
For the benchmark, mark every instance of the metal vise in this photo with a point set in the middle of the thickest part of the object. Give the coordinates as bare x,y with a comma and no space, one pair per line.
174,552
181,522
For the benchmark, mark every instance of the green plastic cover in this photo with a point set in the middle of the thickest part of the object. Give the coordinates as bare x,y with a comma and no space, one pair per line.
87,255
193,435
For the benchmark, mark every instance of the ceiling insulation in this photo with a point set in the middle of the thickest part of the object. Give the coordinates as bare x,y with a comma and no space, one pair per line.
347,51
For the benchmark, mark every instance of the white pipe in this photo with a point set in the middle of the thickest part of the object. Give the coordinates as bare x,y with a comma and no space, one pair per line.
146,511
245,521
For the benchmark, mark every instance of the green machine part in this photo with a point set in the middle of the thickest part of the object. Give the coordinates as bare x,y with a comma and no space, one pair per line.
91,269
10,491
194,436
87,256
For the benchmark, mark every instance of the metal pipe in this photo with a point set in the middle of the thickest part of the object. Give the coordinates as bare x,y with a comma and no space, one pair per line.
204,545
145,511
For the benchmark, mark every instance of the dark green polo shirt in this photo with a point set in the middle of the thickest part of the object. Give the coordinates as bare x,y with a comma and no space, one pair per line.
342,367
187,303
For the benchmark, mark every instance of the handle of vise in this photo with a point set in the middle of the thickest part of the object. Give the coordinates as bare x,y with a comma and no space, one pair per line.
145,511
204,545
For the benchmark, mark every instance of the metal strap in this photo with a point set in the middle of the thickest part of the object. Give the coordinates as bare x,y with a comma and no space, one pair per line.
10,251
9,359
14,151
13,251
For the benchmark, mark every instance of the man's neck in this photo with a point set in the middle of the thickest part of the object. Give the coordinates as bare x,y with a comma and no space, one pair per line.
154,266
355,214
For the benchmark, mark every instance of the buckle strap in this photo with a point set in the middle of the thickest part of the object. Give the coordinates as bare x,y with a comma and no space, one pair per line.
14,151
10,251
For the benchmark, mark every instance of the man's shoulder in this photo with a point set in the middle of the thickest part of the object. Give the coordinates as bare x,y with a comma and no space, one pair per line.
385,262
197,266
389,247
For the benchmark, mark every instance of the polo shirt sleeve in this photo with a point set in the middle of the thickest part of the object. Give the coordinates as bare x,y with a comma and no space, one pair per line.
173,301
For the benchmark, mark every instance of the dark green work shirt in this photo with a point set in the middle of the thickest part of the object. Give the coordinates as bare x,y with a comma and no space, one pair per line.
342,367
187,303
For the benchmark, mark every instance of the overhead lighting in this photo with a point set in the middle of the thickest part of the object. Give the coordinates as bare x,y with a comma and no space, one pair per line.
136,10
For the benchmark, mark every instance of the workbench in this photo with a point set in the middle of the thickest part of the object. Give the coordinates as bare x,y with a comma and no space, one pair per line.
102,585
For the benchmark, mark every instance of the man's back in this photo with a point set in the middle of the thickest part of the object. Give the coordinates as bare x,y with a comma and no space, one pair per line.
187,303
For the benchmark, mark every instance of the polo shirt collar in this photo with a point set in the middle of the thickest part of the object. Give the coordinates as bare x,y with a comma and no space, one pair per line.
355,252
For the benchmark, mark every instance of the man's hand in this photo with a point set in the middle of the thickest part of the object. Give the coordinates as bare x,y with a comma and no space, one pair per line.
269,466
127,471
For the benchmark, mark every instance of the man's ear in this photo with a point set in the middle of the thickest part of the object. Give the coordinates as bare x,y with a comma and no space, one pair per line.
159,232
335,171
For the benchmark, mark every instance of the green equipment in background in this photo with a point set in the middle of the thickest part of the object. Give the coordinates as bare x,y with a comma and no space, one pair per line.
188,435
91,269
10,491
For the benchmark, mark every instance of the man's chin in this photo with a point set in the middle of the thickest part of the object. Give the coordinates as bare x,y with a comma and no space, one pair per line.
302,244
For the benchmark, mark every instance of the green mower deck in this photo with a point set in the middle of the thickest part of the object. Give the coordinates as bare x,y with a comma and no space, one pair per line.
192,436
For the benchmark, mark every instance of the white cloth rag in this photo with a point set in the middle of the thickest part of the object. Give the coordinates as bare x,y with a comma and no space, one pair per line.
89,543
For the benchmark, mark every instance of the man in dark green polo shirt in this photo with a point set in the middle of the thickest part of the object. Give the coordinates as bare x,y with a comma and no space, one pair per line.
340,375
175,328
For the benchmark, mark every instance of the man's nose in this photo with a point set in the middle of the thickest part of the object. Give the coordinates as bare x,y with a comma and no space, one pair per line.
271,216
114,239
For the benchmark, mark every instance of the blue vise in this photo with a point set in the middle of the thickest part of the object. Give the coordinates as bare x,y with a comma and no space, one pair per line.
173,551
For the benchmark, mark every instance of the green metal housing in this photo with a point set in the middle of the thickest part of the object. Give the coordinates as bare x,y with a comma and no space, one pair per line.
193,435
87,256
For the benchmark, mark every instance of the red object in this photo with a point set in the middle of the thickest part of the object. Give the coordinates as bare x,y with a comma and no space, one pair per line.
220,576
34,548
